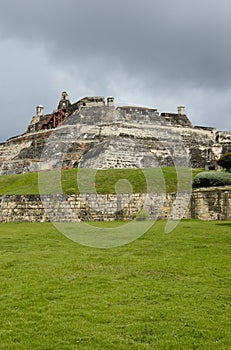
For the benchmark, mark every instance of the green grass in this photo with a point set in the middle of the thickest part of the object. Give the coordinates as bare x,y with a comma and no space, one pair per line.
163,291
19,184
160,180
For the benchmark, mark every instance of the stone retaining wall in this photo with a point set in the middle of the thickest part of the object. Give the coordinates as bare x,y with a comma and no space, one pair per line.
211,205
204,205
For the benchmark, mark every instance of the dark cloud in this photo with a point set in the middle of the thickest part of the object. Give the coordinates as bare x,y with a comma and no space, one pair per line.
150,52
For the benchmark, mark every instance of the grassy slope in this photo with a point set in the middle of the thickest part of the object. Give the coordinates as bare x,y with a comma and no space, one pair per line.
105,181
163,291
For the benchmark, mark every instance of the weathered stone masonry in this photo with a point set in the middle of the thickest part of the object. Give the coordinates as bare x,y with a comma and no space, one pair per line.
204,205
122,137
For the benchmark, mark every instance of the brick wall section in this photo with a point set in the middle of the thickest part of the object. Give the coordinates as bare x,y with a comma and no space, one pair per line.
204,205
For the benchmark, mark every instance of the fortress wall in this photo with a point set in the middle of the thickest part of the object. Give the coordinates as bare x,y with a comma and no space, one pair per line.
211,205
154,138
204,205
9,150
21,154
224,137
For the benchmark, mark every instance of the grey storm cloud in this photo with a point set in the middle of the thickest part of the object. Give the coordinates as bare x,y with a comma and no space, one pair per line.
145,52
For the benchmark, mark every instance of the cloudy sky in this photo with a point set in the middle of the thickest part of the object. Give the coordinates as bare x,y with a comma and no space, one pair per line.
159,53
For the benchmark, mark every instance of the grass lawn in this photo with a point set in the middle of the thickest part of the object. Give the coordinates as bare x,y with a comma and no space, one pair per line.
160,179
163,291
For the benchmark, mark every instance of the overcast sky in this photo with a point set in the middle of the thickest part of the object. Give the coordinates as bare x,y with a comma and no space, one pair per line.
156,53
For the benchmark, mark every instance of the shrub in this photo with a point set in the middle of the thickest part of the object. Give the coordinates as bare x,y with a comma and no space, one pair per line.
142,216
225,161
212,178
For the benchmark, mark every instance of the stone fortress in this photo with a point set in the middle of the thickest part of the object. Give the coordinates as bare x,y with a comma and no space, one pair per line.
92,133
104,136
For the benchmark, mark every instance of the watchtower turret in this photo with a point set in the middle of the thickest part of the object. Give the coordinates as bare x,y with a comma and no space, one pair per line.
64,102
110,101
181,110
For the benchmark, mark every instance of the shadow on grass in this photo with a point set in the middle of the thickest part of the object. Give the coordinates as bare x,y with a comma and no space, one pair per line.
224,223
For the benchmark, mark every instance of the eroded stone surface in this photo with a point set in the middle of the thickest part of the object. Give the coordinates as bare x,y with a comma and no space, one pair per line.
91,134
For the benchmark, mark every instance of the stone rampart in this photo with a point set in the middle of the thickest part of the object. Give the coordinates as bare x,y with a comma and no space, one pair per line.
90,133
204,205
126,137
211,204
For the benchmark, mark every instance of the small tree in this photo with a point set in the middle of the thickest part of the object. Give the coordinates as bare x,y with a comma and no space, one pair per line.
225,161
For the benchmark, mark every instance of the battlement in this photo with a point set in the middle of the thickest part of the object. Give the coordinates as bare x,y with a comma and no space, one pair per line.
131,114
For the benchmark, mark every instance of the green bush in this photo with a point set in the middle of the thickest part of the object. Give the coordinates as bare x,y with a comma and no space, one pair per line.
142,216
225,161
212,178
